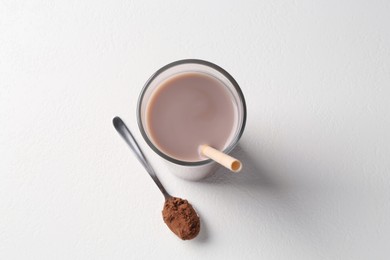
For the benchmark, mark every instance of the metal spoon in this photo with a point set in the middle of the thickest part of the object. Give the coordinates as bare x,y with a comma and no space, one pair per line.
129,139
178,214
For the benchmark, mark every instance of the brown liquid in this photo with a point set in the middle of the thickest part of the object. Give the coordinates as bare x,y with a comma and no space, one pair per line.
188,110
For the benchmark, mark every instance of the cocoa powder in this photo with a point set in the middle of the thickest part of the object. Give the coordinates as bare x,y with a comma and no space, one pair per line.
181,218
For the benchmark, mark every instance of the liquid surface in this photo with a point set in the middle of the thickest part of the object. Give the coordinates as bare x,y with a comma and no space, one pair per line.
188,110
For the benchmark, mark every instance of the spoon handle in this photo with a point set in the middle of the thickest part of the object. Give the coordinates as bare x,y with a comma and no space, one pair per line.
130,140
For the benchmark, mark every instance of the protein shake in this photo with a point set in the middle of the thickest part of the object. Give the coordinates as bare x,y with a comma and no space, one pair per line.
187,104
188,110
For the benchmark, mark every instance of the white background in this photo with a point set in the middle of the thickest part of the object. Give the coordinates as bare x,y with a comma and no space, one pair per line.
316,76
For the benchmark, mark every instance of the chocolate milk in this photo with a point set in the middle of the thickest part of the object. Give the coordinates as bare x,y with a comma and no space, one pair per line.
188,110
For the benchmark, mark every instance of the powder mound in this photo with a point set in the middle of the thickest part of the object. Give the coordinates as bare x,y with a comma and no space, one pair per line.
181,218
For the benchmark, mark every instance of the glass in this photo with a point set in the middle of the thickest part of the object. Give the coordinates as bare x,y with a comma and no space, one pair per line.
183,169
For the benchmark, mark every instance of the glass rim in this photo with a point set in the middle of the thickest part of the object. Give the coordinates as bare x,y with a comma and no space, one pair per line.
235,139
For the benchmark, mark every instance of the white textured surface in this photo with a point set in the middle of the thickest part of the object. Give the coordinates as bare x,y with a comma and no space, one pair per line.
316,75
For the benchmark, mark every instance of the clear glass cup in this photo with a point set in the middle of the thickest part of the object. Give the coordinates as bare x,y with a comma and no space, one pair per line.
183,169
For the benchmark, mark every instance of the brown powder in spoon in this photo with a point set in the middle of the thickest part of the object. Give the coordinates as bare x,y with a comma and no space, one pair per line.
181,218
